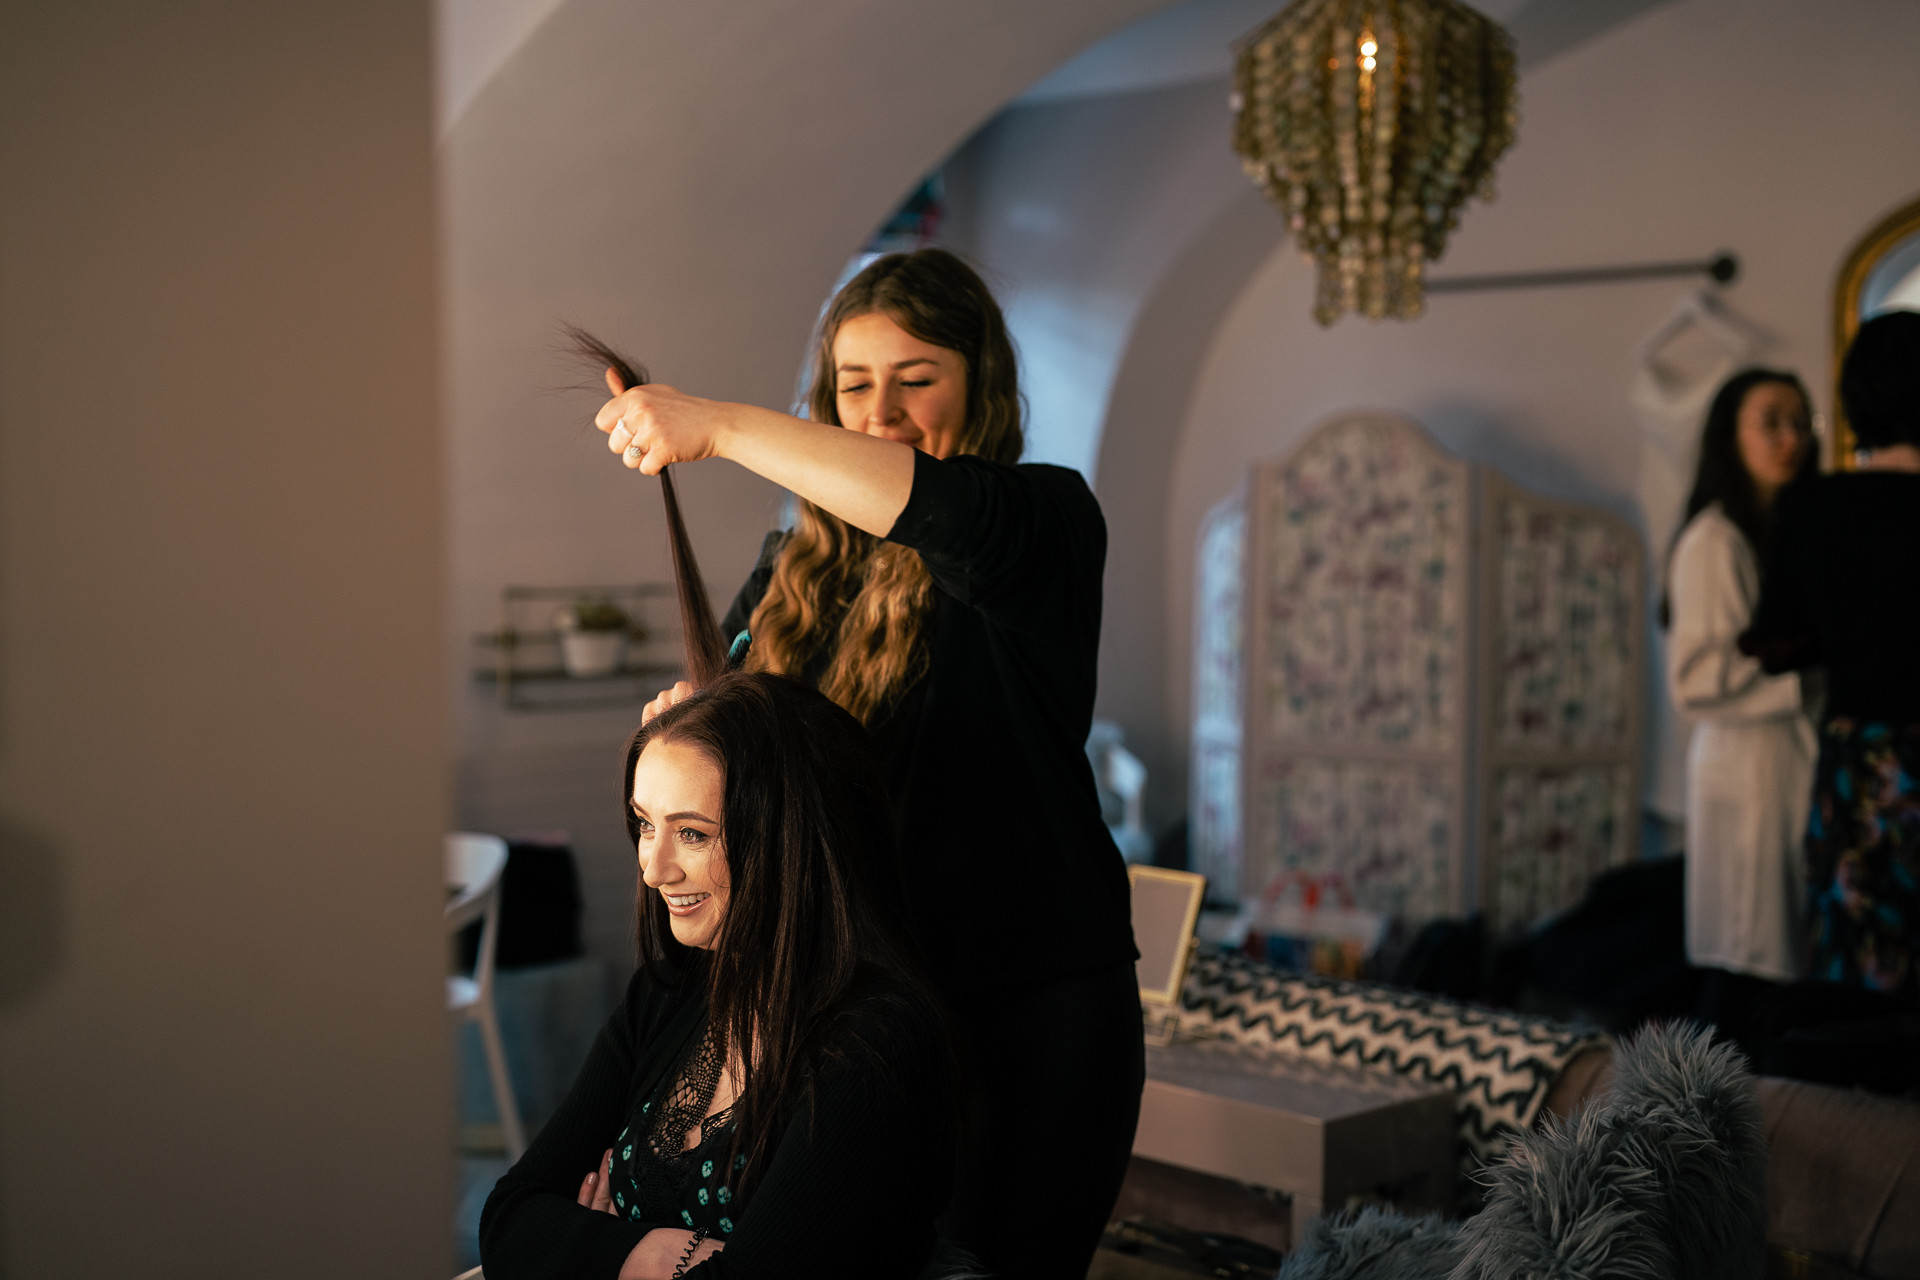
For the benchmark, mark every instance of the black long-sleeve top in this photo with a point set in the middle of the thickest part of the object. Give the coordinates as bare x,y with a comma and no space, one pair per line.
1011,875
862,1168
1841,590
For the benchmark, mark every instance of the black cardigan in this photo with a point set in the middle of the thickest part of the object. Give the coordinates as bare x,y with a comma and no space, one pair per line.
1011,875
852,1190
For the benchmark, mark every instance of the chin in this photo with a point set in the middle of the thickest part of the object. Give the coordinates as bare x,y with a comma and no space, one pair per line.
692,937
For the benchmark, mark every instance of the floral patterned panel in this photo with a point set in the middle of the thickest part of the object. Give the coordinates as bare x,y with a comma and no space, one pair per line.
1219,650
1366,533
1383,831
1565,639
1553,831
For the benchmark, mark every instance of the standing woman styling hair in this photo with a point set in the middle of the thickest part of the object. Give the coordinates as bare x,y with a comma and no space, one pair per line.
1750,765
951,600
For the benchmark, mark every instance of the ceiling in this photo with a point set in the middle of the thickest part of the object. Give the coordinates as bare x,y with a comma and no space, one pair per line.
1190,41
1182,43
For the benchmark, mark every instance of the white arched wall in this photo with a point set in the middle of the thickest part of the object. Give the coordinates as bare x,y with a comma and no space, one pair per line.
1077,208
1698,126
1166,352
686,181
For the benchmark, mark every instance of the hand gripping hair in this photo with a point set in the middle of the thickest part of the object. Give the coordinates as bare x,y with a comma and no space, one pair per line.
706,648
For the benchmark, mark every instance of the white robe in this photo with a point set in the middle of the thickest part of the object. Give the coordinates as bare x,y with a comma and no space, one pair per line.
1670,400
1670,413
1749,768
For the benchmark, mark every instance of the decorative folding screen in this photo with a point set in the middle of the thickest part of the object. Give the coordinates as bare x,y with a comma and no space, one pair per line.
1440,681
1356,690
1561,686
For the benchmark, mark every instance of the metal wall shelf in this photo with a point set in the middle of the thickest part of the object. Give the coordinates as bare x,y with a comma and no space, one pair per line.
521,657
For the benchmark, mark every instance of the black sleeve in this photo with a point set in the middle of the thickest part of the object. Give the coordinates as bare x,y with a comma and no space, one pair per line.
860,1174
531,1228
748,599
1782,633
1024,545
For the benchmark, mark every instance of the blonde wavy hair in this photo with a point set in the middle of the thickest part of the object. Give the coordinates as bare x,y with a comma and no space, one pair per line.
842,592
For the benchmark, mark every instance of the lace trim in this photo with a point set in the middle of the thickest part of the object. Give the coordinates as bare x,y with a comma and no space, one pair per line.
670,1119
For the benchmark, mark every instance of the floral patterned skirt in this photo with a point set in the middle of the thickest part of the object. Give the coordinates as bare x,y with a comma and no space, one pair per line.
1863,858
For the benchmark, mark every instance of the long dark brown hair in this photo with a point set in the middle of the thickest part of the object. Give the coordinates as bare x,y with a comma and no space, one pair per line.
814,904
835,589
1720,476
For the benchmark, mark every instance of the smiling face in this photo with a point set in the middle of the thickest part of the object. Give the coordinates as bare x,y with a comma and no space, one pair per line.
890,384
1773,434
676,806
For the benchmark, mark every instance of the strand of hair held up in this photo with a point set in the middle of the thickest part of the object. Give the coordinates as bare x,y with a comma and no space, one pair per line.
706,649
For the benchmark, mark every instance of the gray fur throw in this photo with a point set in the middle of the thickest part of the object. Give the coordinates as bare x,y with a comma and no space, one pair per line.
1375,1243
1663,1179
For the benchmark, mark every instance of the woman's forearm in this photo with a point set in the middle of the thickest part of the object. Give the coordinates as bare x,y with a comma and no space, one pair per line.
863,479
1710,679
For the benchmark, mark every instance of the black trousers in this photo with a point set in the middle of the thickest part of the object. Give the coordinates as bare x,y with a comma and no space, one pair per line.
1056,1073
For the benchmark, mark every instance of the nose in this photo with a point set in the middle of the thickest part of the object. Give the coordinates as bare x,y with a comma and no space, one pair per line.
887,407
657,868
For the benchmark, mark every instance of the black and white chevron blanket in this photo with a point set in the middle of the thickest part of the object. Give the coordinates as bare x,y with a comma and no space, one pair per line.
1499,1065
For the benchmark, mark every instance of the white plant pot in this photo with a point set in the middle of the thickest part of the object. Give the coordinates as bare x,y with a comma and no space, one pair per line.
592,653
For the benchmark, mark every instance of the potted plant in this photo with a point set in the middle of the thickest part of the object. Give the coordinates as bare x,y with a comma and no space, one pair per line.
593,637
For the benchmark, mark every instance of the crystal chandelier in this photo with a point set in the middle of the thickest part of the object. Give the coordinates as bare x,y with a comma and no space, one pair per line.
1370,122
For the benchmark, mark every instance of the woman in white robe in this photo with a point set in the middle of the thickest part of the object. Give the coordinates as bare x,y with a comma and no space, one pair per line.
1750,764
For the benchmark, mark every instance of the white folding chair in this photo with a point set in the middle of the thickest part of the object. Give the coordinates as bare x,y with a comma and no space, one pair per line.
474,864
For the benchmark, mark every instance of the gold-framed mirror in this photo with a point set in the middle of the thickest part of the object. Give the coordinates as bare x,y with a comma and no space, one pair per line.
1166,906
1882,273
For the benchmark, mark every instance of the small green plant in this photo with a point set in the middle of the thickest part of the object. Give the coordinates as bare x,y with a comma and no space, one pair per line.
597,613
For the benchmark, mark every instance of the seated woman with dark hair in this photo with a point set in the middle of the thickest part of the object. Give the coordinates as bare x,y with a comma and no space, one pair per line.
1842,590
773,1098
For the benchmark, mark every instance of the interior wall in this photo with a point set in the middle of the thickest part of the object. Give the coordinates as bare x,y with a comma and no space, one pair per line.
1760,126
687,182
223,1042
1165,353
1076,208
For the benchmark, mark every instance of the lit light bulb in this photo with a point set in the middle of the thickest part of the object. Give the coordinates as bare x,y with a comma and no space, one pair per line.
1367,63
1369,48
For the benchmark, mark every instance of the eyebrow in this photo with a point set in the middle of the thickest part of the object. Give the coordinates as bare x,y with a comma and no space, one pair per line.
898,364
695,814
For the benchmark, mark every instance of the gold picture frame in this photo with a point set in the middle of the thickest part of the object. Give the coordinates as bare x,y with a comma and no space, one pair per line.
1864,257
1166,907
